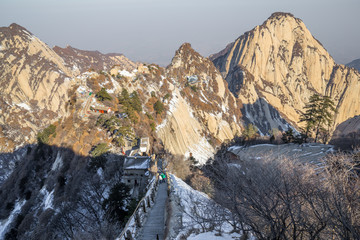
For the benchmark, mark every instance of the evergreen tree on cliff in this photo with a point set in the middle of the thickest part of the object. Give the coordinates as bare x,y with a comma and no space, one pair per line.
318,116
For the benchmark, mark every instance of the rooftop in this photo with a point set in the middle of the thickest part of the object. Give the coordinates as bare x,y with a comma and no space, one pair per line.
137,162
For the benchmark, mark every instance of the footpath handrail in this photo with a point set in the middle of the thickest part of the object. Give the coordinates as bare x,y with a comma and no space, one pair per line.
169,210
153,182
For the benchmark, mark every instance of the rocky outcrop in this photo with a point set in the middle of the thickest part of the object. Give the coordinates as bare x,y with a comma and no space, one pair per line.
80,60
344,88
285,65
33,81
202,111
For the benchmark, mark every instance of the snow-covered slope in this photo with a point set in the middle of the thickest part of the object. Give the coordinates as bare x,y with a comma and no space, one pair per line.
196,216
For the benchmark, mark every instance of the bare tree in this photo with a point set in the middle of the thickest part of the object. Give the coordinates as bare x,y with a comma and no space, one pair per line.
283,199
342,180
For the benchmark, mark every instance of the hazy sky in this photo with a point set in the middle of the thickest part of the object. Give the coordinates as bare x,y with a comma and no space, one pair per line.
152,30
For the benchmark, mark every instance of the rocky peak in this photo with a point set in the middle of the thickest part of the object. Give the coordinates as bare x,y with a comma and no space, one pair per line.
280,15
286,62
287,65
33,83
202,108
185,55
187,62
15,29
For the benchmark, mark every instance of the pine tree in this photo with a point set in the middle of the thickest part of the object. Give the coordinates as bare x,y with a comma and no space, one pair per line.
103,95
158,107
249,132
318,115
135,102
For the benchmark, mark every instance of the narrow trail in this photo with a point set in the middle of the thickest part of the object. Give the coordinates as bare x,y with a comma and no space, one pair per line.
155,222
87,106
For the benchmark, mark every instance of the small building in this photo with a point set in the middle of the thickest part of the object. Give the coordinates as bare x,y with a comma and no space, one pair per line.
136,173
99,109
192,79
145,145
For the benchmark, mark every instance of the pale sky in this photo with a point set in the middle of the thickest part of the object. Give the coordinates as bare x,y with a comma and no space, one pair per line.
152,30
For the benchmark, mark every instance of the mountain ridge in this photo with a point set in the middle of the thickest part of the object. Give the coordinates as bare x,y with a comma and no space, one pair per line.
85,59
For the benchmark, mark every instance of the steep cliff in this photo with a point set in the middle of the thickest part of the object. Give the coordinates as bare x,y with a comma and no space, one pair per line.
284,65
33,82
203,112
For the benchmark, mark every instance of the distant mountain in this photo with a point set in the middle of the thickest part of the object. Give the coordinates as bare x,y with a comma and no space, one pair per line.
281,64
85,60
354,64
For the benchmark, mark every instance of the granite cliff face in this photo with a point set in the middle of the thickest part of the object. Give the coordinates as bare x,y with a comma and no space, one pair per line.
202,111
283,64
33,81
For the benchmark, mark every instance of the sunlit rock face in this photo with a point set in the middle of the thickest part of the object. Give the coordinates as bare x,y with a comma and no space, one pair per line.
33,82
203,112
281,62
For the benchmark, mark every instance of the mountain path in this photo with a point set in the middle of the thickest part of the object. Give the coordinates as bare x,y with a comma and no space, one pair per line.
155,222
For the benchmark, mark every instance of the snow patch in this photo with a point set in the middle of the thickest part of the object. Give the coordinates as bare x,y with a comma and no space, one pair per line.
201,151
173,104
81,89
24,106
31,37
211,236
115,84
48,198
57,163
190,199
262,145
6,222
75,68
234,148
234,118
100,173
205,98
126,73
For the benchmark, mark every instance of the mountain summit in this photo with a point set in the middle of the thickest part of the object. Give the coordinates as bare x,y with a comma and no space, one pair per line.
282,63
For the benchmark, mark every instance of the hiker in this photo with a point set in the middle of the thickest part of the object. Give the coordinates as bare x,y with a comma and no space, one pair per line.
160,178
163,176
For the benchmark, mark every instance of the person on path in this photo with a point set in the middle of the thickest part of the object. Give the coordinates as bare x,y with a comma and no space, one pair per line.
163,176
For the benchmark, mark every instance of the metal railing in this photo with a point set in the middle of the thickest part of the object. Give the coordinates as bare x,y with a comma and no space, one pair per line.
141,205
